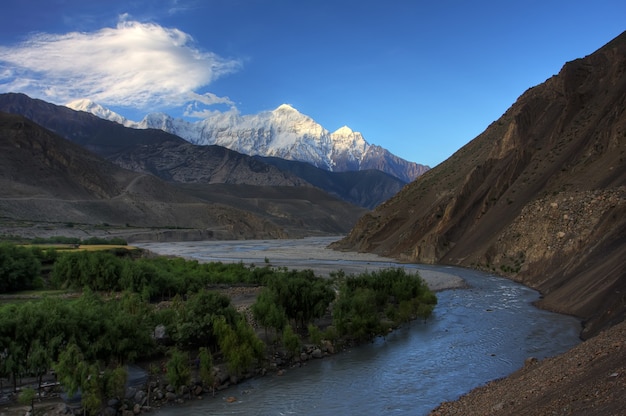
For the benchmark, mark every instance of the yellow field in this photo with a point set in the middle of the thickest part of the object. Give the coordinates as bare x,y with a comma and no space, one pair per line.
97,247
86,247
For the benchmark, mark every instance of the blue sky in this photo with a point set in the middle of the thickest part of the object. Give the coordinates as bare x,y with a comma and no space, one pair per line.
420,78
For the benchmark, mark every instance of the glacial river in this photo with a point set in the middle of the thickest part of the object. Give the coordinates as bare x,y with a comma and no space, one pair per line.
476,334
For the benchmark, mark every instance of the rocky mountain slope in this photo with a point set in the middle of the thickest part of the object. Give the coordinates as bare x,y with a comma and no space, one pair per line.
539,196
176,160
283,133
47,179
365,188
97,135
188,163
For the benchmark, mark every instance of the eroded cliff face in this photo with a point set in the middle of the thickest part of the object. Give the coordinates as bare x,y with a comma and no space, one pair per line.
539,196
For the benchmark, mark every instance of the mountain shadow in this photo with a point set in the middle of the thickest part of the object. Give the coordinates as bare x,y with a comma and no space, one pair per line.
366,188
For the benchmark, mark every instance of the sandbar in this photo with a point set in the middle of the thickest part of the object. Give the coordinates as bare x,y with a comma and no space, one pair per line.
299,254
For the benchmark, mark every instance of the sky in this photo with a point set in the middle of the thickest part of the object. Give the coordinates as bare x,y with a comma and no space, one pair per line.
419,78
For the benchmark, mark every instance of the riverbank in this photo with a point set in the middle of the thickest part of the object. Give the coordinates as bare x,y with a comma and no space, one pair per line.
307,253
589,379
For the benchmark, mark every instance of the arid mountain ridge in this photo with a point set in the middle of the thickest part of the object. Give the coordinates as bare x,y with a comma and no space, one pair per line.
173,159
49,180
539,196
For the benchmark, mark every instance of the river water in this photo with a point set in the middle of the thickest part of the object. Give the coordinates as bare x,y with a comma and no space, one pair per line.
476,334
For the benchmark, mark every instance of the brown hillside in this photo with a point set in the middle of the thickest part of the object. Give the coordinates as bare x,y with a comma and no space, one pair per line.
47,179
188,163
539,196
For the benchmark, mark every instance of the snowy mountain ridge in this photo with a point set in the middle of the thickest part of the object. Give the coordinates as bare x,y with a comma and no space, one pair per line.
284,133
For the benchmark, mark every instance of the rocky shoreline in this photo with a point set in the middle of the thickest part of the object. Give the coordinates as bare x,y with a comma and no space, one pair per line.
589,379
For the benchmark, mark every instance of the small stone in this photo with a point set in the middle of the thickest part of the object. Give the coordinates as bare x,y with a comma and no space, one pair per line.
530,361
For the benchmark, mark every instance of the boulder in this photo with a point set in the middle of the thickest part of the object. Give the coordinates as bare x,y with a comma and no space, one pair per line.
140,397
109,411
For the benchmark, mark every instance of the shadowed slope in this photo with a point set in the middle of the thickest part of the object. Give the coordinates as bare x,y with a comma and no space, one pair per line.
45,178
539,196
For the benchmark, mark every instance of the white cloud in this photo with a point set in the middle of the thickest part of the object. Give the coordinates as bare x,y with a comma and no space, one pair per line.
193,109
139,65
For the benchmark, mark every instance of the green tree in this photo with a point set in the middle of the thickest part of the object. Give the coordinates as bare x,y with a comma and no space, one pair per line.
129,325
71,369
195,318
268,313
19,268
239,345
27,397
115,382
371,303
38,361
291,341
301,294
206,368
355,314
315,334
178,370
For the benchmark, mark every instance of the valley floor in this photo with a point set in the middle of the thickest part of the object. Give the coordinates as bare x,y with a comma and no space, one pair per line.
588,379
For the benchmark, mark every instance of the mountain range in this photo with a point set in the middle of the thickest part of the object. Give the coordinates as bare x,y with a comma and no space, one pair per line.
48,181
283,133
172,158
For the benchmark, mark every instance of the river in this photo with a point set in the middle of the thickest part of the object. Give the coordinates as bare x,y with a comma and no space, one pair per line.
476,334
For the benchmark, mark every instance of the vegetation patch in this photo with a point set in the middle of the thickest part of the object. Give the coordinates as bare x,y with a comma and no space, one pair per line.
124,300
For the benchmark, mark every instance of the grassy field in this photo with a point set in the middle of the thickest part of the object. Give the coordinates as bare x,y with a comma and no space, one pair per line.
32,295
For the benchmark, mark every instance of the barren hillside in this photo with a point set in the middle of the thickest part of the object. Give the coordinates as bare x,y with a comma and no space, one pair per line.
539,196
45,179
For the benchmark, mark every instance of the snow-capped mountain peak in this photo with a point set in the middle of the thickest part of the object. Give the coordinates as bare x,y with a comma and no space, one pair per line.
343,131
286,108
284,132
89,106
